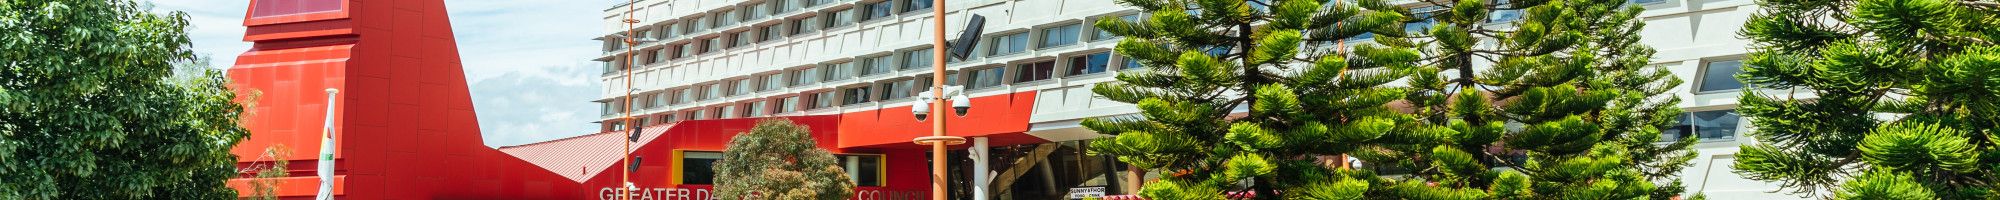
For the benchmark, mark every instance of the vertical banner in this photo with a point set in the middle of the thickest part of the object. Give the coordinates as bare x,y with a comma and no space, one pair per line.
326,151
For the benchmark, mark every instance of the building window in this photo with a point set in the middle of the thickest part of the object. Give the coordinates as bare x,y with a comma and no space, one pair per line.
1502,16
783,6
875,65
838,71
1088,64
840,18
1009,44
658,101
856,95
917,59
1060,36
714,45
756,109
740,39
924,82
727,112
863,170
805,76
877,10
1101,34
898,89
1720,76
985,78
698,167
788,104
804,25
682,51
768,33
1035,71
713,91
683,96
666,118
660,56
822,100
697,26
1715,125
1424,25
821,2
744,86
772,82
916,5
698,114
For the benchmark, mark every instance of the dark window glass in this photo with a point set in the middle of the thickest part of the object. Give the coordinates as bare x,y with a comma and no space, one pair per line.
822,100
266,8
877,10
870,168
1088,64
1709,125
1721,75
1060,36
855,95
699,167
916,5
1009,44
986,78
805,76
840,71
876,65
1035,71
917,59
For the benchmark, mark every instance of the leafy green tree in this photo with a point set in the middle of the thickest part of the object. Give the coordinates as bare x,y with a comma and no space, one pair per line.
1874,99
1532,99
779,160
88,108
1572,78
1269,60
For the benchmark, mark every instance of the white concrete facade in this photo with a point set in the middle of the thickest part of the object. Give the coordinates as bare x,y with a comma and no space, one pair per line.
1690,36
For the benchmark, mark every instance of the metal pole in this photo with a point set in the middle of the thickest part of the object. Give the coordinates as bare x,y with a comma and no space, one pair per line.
938,140
631,41
980,162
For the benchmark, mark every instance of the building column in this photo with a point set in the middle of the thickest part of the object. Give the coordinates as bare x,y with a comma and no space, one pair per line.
980,174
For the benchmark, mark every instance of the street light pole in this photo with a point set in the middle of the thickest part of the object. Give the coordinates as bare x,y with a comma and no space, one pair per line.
631,41
938,140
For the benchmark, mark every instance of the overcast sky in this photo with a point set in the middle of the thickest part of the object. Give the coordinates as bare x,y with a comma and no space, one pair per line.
527,61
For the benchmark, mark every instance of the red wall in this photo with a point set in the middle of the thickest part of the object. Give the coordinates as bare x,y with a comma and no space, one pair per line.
1002,117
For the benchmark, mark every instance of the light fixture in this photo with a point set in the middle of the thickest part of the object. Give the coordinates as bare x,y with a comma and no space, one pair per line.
960,104
921,109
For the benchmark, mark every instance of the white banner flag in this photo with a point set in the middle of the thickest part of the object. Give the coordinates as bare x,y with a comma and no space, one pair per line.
326,151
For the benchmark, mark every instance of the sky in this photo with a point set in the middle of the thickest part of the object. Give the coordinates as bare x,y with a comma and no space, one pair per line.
526,61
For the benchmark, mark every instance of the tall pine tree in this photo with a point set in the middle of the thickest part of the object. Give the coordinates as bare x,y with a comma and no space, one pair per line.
1875,99
1532,99
1246,96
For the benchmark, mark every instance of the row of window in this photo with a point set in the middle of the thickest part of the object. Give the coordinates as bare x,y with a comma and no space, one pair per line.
751,12
1003,44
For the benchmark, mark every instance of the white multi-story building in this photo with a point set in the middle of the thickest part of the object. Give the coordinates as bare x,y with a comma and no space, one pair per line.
748,58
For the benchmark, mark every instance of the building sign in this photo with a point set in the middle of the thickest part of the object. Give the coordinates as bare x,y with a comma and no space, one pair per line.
1086,192
703,193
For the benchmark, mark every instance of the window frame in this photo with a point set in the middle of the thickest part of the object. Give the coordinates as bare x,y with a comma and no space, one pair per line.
1700,85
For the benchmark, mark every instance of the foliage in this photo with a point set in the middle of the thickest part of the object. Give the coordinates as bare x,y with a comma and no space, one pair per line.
1248,95
265,186
88,109
1898,97
779,160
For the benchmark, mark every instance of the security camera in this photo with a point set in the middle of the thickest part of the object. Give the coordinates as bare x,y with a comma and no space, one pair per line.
960,104
922,109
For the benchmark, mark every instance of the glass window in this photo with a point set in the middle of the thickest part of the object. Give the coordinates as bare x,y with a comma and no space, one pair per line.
822,100
804,25
1089,64
726,18
713,91
756,11
698,115
1009,44
898,89
698,25
666,118
924,82
1060,36
772,82
1420,27
1131,63
1101,35
658,100
877,10
875,65
714,45
744,86
756,109
855,95
917,59
662,55
727,112
1500,16
1708,125
683,51
740,39
1035,71
916,5
805,76
841,18
788,104
782,6
698,167
838,71
683,96
1720,76
267,8
984,78
768,33
864,170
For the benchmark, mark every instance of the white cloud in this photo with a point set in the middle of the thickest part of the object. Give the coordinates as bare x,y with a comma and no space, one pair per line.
511,49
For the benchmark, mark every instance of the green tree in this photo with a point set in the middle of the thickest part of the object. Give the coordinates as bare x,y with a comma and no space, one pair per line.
88,108
1572,78
1532,99
1299,100
779,160
1874,99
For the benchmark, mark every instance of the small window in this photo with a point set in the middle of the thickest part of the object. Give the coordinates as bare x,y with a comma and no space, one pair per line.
698,115
745,86
855,95
682,51
898,89
714,45
822,100
840,18
727,112
985,78
772,82
1060,36
1502,16
788,104
1715,125
1009,44
726,18
683,96
877,10
1088,64
713,91
876,65
924,82
756,109
864,170
667,118
658,101
1720,76
769,33
1102,35
916,5
805,76
660,56
917,59
1035,71
838,71
804,25
740,39
698,168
